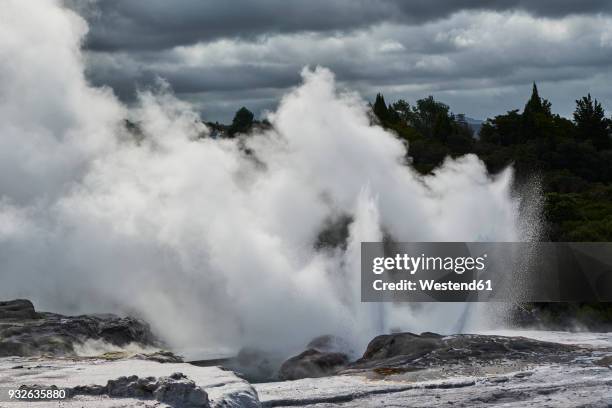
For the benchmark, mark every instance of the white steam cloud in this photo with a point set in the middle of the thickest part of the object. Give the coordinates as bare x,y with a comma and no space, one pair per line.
211,245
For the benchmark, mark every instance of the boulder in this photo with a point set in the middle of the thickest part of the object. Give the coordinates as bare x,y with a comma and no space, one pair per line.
17,309
255,364
23,332
312,363
160,356
404,344
175,390
409,350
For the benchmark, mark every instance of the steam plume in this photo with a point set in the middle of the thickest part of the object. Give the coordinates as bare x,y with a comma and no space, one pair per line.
210,244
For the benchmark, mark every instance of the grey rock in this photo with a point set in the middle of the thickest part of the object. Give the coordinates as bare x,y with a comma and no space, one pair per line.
179,391
17,309
175,390
312,363
55,335
409,350
405,344
161,356
254,364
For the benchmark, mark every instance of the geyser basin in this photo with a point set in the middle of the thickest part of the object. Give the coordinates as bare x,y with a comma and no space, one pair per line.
214,241
171,259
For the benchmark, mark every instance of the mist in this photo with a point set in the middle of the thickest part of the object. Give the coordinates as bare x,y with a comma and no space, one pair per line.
214,246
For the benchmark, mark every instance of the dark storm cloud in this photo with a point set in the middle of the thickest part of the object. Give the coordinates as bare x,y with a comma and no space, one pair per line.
156,24
187,80
160,24
476,54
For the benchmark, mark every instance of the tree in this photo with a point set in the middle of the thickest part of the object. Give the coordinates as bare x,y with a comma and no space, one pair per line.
380,108
242,122
431,118
537,117
504,130
591,122
536,105
461,140
402,108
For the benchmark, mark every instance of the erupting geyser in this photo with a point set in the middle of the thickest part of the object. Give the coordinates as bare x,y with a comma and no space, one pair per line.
209,244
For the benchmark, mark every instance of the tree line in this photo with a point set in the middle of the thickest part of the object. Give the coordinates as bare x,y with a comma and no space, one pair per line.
572,158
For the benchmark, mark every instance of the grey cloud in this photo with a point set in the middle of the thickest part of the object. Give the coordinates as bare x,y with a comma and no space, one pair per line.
156,24
193,79
471,59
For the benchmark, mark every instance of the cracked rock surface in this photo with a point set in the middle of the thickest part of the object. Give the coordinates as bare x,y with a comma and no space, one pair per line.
429,370
455,373
410,352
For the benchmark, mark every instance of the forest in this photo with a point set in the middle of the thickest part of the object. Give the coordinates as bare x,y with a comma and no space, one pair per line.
571,159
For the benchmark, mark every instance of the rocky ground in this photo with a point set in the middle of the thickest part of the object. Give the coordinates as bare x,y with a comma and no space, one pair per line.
26,332
511,369
101,383
428,370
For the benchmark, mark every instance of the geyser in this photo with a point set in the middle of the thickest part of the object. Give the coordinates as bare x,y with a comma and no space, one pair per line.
191,233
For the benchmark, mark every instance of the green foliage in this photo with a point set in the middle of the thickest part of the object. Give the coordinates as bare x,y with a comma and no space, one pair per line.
536,105
591,122
585,216
560,316
402,110
574,159
431,131
380,108
431,119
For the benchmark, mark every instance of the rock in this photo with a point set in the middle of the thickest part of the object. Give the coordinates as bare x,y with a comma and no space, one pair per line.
312,363
430,349
604,362
160,356
56,335
258,365
176,390
398,353
122,331
17,309
254,364
405,344
91,381
458,372
431,334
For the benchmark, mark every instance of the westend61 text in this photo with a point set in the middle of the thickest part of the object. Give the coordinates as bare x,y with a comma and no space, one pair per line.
432,285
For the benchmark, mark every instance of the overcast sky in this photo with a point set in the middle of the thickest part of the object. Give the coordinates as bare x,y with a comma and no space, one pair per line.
480,57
